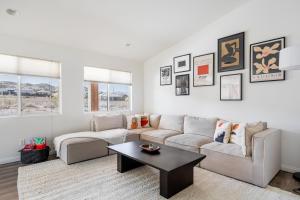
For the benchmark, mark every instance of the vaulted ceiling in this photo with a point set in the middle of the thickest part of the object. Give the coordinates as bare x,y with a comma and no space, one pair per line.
106,26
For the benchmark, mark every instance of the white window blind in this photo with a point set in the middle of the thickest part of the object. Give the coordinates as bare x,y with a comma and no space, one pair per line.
107,75
29,66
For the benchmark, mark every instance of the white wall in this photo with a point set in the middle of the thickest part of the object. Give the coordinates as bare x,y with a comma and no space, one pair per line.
274,102
12,130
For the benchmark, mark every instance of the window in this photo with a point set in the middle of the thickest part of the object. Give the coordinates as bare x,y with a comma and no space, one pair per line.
103,96
28,86
106,90
8,95
39,95
119,97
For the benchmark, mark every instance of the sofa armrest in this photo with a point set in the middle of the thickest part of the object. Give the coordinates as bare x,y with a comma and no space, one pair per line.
266,156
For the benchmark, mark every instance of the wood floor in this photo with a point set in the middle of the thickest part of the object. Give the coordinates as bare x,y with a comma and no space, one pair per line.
9,175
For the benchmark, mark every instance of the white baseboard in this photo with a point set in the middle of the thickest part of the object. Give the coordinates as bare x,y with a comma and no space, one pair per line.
17,158
9,160
289,169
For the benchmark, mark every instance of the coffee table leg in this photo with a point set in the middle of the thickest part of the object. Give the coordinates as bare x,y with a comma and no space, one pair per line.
125,164
176,180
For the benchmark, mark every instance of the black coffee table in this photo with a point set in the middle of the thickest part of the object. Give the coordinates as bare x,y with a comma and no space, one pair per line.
175,165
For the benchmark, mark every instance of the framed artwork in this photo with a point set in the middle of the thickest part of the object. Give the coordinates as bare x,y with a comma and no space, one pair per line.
182,63
231,52
231,87
166,75
203,70
182,85
264,61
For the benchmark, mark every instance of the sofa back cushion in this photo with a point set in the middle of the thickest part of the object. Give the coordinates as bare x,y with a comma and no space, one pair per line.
107,122
252,129
200,126
154,120
172,122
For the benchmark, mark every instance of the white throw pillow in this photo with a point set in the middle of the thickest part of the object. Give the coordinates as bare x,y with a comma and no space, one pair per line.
154,120
133,122
238,135
222,132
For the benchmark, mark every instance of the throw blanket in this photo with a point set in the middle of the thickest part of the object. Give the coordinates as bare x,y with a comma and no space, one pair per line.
114,136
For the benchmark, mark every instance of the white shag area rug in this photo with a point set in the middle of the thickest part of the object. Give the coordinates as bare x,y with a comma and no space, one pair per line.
99,180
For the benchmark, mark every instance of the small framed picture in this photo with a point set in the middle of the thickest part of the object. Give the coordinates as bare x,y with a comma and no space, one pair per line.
182,85
231,87
182,63
264,61
203,70
166,75
231,53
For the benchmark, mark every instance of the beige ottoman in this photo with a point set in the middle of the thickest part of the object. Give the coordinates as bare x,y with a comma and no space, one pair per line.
80,149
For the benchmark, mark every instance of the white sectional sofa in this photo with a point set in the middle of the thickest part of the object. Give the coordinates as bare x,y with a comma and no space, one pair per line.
168,126
184,132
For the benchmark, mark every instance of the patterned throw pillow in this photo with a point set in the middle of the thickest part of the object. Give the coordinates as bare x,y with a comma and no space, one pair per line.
133,122
145,120
222,132
237,136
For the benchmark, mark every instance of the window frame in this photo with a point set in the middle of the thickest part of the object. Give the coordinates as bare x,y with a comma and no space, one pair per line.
108,99
19,98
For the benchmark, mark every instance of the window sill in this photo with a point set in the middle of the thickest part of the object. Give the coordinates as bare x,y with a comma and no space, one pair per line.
31,115
109,112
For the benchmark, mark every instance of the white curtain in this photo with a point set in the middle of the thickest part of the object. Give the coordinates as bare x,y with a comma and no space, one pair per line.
107,75
29,66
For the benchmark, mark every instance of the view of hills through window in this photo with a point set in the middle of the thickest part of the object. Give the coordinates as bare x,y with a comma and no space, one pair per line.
37,95
8,95
111,97
119,97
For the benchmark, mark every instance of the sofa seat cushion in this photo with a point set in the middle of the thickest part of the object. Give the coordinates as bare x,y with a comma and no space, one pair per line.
158,135
229,149
188,142
113,136
134,134
227,159
139,130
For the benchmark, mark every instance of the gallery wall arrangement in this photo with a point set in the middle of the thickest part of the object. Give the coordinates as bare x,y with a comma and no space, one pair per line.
231,87
182,63
264,67
203,70
231,52
166,75
264,61
182,84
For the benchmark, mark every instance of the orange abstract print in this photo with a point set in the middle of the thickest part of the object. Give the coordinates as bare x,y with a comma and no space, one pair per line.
203,70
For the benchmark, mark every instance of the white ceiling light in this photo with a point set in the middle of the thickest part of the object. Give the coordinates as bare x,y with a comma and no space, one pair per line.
11,12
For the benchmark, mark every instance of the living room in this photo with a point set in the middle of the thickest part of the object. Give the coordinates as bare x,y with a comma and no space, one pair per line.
208,87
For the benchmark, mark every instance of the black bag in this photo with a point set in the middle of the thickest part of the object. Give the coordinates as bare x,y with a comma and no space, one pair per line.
34,156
